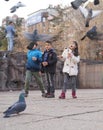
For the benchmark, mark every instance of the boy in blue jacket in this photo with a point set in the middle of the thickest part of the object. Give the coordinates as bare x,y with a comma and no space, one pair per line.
34,58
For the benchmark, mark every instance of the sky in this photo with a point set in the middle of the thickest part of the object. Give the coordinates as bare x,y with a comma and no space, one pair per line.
31,6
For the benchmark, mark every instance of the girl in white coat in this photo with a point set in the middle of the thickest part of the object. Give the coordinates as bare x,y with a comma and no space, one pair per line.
70,69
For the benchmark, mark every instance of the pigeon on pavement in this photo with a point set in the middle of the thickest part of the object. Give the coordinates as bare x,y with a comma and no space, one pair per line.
17,107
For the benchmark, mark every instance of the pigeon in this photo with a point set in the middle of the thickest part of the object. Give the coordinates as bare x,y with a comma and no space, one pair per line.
75,4
15,7
17,107
38,37
96,2
89,14
91,34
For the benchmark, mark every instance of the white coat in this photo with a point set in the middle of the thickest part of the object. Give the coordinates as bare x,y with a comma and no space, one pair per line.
70,64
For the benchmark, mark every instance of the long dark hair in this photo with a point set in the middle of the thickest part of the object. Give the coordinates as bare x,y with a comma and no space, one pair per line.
75,52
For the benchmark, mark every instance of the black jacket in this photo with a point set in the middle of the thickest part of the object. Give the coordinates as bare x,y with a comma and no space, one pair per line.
52,60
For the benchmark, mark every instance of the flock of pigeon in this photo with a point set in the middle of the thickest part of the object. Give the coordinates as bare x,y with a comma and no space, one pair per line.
88,14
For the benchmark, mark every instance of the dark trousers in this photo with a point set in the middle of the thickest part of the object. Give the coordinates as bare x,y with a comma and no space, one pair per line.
50,83
38,79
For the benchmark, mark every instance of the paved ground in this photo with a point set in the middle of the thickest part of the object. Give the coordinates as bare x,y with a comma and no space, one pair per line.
83,113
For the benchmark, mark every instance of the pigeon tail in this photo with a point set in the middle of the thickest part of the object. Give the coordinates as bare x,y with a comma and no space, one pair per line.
83,37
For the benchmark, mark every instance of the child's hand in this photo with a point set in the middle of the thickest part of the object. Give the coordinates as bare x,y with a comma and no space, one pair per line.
45,63
34,58
69,55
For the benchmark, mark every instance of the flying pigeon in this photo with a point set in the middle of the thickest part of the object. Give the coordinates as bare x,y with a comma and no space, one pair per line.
91,33
89,14
96,2
38,37
17,107
15,7
76,3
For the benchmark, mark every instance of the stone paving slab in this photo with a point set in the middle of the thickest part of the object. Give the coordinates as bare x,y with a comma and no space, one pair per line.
83,113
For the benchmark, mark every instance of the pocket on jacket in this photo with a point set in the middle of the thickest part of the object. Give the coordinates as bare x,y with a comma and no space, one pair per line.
73,71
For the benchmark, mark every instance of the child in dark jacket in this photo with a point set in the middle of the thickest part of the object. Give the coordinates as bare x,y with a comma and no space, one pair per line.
49,60
33,66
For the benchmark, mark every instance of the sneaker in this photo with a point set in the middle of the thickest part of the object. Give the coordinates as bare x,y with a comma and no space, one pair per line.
50,96
26,94
46,94
43,94
62,96
74,96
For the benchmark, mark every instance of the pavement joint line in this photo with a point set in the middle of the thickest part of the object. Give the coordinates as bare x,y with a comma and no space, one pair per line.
58,117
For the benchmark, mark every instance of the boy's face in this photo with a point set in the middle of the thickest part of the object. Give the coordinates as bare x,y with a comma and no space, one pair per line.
47,46
34,47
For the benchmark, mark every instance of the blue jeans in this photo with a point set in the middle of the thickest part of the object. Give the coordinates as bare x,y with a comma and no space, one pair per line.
10,41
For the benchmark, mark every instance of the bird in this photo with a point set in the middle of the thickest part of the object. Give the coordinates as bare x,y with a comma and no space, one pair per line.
91,34
76,3
89,14
96,2
17,107
15,7
38,37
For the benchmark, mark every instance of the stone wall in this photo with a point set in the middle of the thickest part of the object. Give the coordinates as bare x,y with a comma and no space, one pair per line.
12,73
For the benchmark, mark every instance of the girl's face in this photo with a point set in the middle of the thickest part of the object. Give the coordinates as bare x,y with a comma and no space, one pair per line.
72,46
48,46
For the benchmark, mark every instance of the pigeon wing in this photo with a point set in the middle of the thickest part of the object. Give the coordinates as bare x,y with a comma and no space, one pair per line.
13,8
84,11
15,109
19,4
96,13
9,108
45,37
12,11
29,36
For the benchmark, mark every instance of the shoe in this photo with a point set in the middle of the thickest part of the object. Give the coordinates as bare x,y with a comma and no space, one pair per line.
46,94
74,94
50,96
43,94
26,94
62,96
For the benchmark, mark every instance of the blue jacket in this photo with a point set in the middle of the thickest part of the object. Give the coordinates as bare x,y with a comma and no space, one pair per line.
34,65
10,31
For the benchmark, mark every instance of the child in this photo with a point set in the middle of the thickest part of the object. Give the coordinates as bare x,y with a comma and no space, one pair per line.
49,60
70,68
34,58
